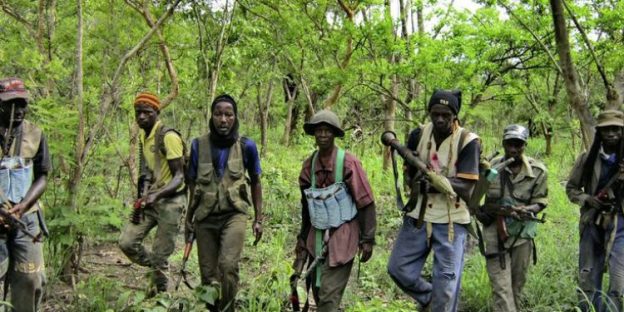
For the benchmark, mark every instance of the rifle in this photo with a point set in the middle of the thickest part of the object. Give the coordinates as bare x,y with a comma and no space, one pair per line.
299,263
187,253
139,204
12,221
604,195
502,211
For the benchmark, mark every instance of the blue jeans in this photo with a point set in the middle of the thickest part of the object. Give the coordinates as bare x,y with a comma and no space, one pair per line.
592,258
21,261
408,258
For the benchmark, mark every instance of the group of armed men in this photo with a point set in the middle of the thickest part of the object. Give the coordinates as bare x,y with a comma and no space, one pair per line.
338,220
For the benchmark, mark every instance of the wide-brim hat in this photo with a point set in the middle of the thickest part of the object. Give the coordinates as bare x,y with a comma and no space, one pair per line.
324,117
13,88
610,117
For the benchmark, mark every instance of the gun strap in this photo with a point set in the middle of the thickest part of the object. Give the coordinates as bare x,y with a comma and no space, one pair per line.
318,250
399,199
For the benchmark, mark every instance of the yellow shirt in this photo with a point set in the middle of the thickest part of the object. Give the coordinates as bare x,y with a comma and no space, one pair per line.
174,148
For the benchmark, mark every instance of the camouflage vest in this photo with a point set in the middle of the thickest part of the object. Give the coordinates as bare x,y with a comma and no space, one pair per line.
230,193
16,167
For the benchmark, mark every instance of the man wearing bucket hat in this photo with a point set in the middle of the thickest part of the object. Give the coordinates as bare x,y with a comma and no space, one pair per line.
23,172
436,221
595,185
162,193
338,213
513,199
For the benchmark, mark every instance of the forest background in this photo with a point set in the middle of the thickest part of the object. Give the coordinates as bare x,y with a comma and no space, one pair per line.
551,65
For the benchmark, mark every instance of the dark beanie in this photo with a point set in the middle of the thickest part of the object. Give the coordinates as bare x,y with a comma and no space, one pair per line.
450,98
224,98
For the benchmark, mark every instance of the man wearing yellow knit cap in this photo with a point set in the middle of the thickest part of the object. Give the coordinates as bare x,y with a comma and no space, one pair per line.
161,194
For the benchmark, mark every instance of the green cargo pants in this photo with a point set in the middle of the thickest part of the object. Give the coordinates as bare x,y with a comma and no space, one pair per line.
23,261
507,284
333,284
165,215
220,241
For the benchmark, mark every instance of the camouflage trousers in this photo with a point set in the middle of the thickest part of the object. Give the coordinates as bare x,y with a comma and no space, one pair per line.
165,215
22,266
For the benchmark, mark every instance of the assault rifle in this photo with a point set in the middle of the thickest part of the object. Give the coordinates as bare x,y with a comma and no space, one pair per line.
187,253
502,211
606,195
139,204
299,264
13,222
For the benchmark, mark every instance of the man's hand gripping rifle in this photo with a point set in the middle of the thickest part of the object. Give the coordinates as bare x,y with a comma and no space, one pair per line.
139,204
12,222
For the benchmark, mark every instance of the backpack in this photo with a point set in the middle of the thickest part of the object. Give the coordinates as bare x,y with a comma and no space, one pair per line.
145,174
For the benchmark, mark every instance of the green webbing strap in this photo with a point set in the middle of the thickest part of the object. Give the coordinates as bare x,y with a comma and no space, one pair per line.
340,156
318,250
339,171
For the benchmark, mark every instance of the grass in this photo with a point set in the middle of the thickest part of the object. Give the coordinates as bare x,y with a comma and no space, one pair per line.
265,269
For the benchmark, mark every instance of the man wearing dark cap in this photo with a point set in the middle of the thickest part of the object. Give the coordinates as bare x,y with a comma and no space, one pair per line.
161,194
24,169
337,215
224,179
435,221
595,185
514,198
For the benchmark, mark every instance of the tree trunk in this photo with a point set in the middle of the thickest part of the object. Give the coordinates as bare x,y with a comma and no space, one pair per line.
335,95
290,90
70,268
570,76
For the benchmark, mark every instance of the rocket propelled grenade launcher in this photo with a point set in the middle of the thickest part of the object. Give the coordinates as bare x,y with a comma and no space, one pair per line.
438,181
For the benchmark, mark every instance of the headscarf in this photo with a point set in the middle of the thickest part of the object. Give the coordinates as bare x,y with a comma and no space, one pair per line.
217,139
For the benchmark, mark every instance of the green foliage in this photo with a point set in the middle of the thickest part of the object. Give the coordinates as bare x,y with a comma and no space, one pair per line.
505,75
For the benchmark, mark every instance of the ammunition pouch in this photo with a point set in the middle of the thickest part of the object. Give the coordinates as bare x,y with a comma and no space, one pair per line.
330,207
15,178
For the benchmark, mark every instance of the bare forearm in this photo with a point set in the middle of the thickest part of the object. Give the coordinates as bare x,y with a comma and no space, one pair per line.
368,223
462,187
35,191
256,198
